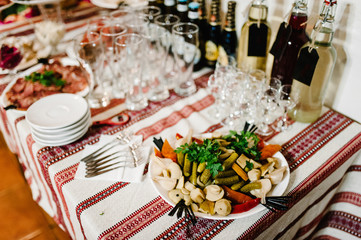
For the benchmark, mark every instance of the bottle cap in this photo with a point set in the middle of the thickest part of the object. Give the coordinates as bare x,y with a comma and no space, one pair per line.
193,6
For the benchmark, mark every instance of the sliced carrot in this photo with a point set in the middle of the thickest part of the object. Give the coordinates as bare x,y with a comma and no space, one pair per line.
269,150
157,153
168,152
240,171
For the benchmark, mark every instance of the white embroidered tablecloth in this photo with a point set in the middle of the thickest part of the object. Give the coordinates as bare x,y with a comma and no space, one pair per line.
323,158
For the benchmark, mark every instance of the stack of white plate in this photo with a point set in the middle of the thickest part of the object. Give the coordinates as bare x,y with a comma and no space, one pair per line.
59,119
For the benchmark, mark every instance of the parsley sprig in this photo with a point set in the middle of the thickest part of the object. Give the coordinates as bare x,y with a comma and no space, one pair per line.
207,152
244,142
47,78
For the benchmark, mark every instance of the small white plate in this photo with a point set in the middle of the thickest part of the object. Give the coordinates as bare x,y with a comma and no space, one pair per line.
32,2
62,142
62,134
57,111
63,130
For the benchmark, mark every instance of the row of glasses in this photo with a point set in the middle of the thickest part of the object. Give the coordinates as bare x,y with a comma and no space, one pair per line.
164,42
249,97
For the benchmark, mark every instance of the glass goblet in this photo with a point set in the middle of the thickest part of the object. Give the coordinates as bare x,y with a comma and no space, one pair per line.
286,103
185,46
150,12
266,111
88,50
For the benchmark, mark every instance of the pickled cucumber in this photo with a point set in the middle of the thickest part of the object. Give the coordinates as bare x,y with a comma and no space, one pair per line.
227,180
187,166
227,164
251,186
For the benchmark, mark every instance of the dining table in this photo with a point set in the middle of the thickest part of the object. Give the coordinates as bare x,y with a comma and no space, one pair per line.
323,157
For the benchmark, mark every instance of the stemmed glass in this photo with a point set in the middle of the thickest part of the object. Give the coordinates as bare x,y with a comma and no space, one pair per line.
130,55
89,52
268,101
216,89
286,102
108,33
185,46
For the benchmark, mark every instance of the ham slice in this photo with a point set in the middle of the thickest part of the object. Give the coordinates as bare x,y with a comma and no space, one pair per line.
24,93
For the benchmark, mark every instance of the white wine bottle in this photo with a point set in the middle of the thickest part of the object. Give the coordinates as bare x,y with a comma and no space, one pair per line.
254,39
314,67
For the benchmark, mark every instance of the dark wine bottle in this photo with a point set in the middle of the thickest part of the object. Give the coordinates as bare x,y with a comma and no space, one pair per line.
182,10
290,38
160,4
213,38
170,7
229,35
193,16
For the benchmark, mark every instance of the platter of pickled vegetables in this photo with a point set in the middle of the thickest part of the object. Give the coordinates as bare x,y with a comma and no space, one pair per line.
218,175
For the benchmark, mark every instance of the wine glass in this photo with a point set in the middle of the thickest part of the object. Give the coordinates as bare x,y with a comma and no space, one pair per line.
89,52
286,103
268,105
185,47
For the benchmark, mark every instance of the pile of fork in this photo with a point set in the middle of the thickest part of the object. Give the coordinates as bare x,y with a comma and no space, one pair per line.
122,152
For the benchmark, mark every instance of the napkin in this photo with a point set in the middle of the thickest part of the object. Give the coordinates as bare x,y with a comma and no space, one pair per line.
124,173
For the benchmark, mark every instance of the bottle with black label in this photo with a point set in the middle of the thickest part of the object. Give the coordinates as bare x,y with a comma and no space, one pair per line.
160,4
229,40
182,10
213,38
193,16
254,38
314,67
290,38
170,7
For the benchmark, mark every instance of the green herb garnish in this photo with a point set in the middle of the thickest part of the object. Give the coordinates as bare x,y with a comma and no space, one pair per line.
245,142
47,78
208,152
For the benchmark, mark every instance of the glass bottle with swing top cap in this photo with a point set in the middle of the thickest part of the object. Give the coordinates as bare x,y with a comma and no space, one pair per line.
309,89
254,39
290,38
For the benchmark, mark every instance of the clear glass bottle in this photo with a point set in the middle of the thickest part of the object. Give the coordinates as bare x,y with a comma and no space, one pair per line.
193,16
284,65
310,96
229,39
254,39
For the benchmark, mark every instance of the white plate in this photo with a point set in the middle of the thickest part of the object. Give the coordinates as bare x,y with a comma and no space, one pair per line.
32,2
62,142
6,6
111,4
277,190
49,136
4,101
57,111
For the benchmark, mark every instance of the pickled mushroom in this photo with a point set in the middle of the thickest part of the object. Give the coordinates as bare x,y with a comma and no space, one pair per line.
213,192
266,187
254,175
223,207
277,175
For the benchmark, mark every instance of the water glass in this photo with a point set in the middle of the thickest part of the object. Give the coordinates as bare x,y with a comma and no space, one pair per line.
155,54
89,52
185,46
130,55
150,12
169,75
111,72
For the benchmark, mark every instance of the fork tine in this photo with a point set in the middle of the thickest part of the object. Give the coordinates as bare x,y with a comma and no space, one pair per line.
97,169
100,172
99,152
